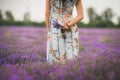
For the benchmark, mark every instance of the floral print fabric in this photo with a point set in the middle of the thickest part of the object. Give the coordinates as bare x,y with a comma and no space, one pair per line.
57,45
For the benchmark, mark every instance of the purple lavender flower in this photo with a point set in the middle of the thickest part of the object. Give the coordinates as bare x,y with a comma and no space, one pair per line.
23,54
57,25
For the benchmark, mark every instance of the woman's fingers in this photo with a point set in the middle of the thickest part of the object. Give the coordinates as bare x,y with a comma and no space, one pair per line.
65,26
48,36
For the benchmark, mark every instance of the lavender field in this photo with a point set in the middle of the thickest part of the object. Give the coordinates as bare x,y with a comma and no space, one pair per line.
23,55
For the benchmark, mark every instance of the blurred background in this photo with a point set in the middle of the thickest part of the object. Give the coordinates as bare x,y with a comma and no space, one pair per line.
97,13
23,42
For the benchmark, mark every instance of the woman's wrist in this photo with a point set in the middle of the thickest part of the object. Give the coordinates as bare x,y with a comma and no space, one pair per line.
68,25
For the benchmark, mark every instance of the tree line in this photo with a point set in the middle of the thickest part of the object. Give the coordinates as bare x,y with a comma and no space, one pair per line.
103,20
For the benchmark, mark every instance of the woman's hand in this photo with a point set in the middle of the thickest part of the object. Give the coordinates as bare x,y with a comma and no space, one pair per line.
48,36
66,25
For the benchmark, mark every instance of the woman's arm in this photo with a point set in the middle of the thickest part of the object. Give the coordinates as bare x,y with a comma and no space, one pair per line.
47,15
80,14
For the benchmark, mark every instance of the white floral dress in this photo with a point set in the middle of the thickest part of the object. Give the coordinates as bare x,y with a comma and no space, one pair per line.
58,45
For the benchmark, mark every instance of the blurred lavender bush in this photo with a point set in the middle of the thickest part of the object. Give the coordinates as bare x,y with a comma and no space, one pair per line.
23,56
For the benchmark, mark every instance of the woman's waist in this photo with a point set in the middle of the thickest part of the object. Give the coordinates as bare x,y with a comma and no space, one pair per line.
64,16
61,18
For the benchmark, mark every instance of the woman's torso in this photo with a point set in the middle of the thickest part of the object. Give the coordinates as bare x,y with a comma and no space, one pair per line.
59,9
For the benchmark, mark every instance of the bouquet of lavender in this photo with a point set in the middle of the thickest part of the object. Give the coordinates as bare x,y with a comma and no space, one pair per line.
57,25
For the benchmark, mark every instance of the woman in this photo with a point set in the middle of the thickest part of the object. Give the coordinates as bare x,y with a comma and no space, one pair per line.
62,30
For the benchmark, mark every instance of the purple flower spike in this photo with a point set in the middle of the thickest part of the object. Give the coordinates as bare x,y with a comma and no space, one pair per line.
57,25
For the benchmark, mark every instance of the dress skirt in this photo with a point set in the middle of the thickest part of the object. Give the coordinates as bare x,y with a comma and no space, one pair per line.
59,46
